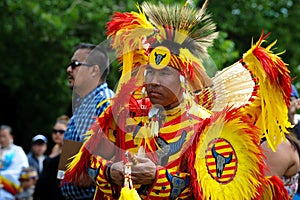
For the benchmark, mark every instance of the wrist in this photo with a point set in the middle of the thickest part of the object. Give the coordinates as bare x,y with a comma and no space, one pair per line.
108,172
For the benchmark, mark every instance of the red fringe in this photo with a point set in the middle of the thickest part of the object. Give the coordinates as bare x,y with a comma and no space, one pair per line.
280,193
79,169
90,147
99,131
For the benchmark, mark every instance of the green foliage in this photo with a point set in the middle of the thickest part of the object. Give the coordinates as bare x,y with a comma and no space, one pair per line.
37,42
246,19
38,37
223,52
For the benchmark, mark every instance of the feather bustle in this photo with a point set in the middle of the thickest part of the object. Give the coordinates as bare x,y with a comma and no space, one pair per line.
248,178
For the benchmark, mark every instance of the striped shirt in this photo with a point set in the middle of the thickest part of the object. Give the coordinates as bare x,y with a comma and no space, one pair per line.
84,115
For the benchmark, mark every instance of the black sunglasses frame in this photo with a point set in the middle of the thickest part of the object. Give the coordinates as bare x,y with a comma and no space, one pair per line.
75,64
54,131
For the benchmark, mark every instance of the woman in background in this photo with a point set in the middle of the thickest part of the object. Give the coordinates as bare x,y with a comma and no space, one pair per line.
284,163
47,187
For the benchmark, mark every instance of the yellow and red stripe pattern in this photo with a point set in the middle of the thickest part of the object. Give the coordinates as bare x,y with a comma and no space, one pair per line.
101,179
162,189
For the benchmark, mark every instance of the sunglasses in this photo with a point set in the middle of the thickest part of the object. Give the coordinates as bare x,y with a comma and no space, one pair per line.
54,131
75,64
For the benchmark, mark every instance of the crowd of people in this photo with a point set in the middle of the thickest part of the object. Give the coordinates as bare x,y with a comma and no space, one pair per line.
144,141
35,176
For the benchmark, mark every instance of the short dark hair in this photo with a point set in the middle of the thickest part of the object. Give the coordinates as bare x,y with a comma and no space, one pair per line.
85,46
97,56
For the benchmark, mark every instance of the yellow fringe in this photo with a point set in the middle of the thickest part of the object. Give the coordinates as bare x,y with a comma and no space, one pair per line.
272,119
129,194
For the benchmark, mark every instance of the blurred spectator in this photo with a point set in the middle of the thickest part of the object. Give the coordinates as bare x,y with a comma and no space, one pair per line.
47,187
284,163
12,160
87,71
294,106
28,178
36,155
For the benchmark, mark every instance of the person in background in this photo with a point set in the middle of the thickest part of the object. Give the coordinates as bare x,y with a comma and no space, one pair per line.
294,106
284,163
47,186
12,160
28,178
87,71
37,155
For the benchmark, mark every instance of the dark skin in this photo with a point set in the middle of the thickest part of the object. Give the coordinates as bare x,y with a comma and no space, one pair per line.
142,173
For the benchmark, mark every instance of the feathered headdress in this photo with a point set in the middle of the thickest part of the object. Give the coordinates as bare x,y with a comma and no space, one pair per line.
164,35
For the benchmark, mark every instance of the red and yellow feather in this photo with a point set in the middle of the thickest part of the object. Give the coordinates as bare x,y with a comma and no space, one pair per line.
274,89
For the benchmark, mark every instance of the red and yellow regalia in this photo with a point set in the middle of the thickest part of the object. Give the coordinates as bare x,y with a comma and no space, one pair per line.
208,147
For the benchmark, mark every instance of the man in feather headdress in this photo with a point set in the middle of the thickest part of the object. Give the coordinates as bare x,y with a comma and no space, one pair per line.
160,120
156,140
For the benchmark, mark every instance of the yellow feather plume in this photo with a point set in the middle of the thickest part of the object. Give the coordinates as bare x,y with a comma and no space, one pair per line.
273,80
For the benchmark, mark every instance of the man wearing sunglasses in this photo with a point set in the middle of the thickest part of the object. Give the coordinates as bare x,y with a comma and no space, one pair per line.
87,75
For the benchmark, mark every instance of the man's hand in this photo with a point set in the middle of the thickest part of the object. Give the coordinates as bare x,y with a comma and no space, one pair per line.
116,173
144,172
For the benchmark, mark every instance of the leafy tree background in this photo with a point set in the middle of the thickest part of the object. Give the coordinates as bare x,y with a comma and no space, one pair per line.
37,40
